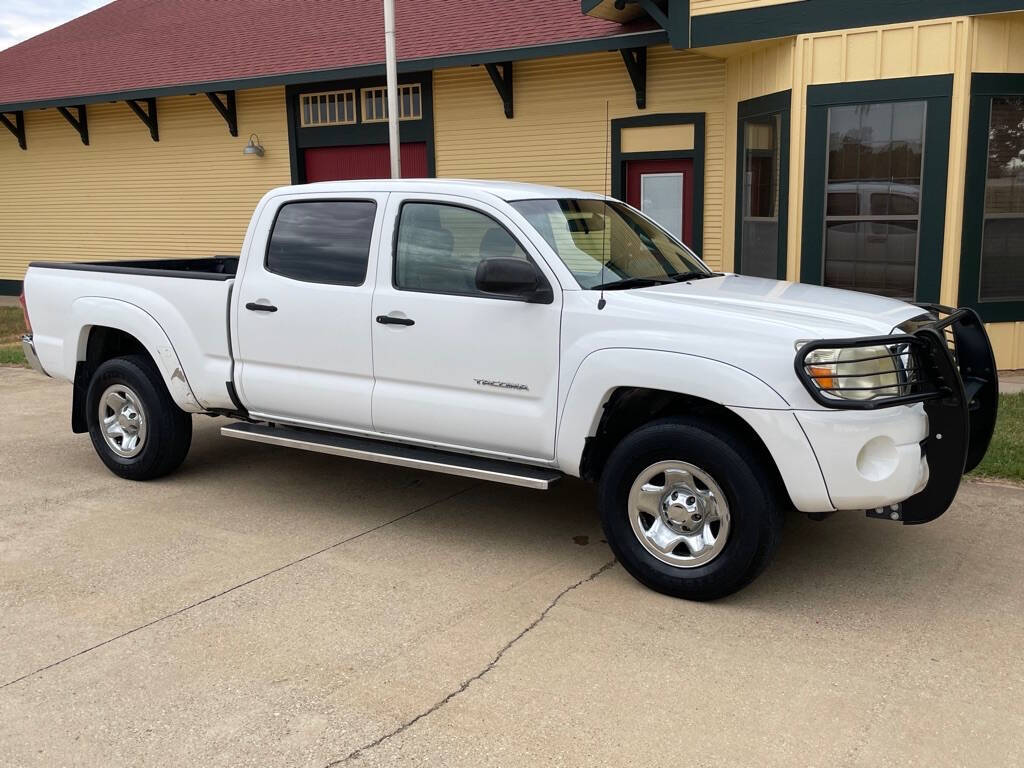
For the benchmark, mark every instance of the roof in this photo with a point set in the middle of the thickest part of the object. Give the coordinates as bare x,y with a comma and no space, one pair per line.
504,190
137,48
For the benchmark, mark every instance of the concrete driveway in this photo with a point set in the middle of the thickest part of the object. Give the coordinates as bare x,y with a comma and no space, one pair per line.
264,607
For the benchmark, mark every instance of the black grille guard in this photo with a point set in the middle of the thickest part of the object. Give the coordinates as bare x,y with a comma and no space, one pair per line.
954,376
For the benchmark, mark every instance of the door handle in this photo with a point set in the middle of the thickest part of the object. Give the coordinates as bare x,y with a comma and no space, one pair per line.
260,307
390,320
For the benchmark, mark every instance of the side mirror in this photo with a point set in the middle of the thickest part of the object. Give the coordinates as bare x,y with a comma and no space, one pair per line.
512,277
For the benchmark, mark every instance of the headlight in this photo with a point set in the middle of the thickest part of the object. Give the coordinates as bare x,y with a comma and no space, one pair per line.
856,373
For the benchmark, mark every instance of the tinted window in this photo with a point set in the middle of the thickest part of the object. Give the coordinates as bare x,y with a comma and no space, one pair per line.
1002,246
440,247
322,242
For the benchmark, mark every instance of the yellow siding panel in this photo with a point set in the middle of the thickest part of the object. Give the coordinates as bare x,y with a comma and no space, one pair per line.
998,43
897,54
559,134
657,138
700,7
935,49
125,196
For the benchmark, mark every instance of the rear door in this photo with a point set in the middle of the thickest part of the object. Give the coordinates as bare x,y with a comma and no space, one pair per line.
303,311
453,365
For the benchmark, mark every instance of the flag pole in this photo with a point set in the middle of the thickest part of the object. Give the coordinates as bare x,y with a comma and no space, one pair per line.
391,67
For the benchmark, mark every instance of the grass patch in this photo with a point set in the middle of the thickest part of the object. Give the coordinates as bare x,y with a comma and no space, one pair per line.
1005,457
12,325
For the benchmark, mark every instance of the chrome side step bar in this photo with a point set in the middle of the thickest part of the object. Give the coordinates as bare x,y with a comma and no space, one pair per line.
398,454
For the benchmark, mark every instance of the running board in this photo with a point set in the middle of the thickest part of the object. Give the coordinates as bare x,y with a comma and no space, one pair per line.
399,454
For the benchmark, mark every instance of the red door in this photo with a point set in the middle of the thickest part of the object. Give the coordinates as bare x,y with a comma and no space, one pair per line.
371,161
663,189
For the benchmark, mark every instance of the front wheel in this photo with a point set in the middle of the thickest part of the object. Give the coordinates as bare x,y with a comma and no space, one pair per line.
689,509
136,428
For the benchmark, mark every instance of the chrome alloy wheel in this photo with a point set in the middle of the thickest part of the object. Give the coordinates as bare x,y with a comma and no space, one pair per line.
679,514
122,421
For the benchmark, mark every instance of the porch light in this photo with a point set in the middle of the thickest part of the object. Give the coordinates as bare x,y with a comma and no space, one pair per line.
253,147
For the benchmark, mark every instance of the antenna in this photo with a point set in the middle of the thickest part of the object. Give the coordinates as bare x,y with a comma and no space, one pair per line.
604,243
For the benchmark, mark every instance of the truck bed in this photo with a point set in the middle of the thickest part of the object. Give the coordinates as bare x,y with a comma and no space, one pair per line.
212,268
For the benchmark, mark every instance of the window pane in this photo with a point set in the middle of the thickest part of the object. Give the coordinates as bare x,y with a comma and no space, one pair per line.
874,175
1002,257
322,242
874,256
661,198
440,246
759,245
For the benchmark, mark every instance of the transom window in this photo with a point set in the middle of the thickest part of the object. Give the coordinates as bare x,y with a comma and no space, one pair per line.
375,103
328,108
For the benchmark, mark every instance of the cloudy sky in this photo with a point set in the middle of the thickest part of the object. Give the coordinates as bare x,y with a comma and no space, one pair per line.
22,19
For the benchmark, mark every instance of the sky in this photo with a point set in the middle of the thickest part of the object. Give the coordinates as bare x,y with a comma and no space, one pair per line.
22,19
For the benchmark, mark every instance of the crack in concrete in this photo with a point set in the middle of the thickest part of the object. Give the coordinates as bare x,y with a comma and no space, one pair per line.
245,583
470,680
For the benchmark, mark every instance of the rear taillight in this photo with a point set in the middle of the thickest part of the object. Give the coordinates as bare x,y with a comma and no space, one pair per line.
24,311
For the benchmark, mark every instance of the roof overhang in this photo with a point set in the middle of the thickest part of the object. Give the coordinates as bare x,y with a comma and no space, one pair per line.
590,45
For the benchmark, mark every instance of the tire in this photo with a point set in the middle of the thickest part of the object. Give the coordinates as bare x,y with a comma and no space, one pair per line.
719,464
162,435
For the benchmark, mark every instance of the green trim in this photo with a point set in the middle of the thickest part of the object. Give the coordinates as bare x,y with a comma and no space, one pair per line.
590,45
772,104
10,287
620,158
937,92
300,138
795,18
680,24
983,88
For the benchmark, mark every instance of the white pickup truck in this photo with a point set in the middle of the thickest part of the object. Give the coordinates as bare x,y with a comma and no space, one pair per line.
518,333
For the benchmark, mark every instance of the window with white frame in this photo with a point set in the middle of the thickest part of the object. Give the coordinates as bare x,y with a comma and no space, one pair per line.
328,108
375,103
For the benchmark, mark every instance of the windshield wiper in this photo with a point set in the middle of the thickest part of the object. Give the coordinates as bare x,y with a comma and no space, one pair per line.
632,282
680,277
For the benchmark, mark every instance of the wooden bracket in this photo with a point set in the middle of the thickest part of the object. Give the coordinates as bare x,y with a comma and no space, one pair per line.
147,115
226,108
636,66
501,76
654,12
17,127
79,123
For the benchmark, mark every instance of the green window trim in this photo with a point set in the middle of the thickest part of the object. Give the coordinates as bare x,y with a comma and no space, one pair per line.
775,103
937,91
620,158
983,88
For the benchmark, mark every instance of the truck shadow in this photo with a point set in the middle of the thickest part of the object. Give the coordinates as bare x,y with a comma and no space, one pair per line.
847,561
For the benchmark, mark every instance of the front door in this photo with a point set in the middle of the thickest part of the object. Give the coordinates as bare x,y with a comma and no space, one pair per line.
663,190
303,311
453,365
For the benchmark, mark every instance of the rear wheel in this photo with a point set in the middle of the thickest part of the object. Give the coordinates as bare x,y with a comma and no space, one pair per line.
689,509
136,428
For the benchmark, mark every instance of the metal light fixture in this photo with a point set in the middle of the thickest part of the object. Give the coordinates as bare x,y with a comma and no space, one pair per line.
253,147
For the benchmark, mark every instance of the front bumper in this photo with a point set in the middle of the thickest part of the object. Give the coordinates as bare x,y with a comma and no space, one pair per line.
28,347
957,389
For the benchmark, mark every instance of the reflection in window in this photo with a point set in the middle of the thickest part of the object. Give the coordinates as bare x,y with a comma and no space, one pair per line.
1002,247
759,244
440,247
322,242
873,197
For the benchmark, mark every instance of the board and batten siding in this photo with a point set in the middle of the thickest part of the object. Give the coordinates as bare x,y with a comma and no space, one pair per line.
125,196
559,133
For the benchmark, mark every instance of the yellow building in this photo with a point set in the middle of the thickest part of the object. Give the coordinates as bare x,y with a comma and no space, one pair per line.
870,145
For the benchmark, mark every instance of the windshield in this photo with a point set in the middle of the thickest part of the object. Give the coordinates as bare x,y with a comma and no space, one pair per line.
587,233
